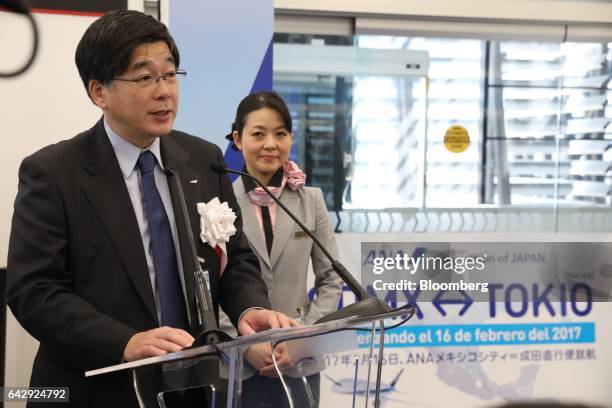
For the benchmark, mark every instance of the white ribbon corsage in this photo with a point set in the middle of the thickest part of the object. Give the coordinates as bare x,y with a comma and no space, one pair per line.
217,226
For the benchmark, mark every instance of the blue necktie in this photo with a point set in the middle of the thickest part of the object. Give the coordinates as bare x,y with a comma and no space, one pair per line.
173,312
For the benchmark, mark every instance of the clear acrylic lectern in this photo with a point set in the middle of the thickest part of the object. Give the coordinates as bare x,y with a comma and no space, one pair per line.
220,375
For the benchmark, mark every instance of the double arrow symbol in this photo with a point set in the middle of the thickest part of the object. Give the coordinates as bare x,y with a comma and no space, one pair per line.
438,301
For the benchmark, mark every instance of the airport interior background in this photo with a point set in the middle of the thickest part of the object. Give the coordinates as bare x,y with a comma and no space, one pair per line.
373,89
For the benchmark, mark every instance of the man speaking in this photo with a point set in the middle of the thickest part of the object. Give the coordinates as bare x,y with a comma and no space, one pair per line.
96,269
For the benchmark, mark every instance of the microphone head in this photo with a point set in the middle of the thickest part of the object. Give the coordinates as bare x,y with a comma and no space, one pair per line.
220,168
170,171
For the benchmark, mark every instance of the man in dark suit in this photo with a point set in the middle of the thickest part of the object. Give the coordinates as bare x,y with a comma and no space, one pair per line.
98,267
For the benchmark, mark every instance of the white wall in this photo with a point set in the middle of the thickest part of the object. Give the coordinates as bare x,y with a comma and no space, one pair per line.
46,104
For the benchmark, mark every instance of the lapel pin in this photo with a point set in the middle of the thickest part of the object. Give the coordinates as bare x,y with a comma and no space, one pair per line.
195,181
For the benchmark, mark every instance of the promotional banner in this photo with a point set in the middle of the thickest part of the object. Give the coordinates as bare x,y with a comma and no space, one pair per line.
494,323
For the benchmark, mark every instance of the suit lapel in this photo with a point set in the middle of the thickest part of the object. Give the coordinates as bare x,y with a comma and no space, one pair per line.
284,225
108,195
250,224
175,157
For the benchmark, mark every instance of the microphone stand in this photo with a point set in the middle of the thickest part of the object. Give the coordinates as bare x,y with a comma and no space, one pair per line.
210,333
367,304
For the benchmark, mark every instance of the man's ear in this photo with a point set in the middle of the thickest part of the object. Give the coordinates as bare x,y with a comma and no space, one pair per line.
98,93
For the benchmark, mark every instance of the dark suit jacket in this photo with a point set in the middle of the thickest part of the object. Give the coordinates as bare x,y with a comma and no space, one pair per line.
77,275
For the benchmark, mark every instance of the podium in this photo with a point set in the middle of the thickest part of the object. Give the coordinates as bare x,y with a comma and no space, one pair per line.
220,375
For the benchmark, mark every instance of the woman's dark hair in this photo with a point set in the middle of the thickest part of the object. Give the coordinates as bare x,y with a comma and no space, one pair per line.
256,101
106,47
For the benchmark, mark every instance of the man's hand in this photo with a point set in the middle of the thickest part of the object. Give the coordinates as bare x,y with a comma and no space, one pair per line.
256,320
156,342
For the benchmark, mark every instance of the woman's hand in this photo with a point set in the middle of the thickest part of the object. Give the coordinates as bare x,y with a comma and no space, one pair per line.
283,360
259,355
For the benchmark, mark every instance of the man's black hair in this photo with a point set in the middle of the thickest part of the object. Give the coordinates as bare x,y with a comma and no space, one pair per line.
106,47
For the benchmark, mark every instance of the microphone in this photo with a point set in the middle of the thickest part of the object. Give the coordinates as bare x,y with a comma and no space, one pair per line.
210,330
221,168
367,305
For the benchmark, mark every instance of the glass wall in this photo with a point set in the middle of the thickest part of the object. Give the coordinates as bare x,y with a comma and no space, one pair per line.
548,118
537,115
